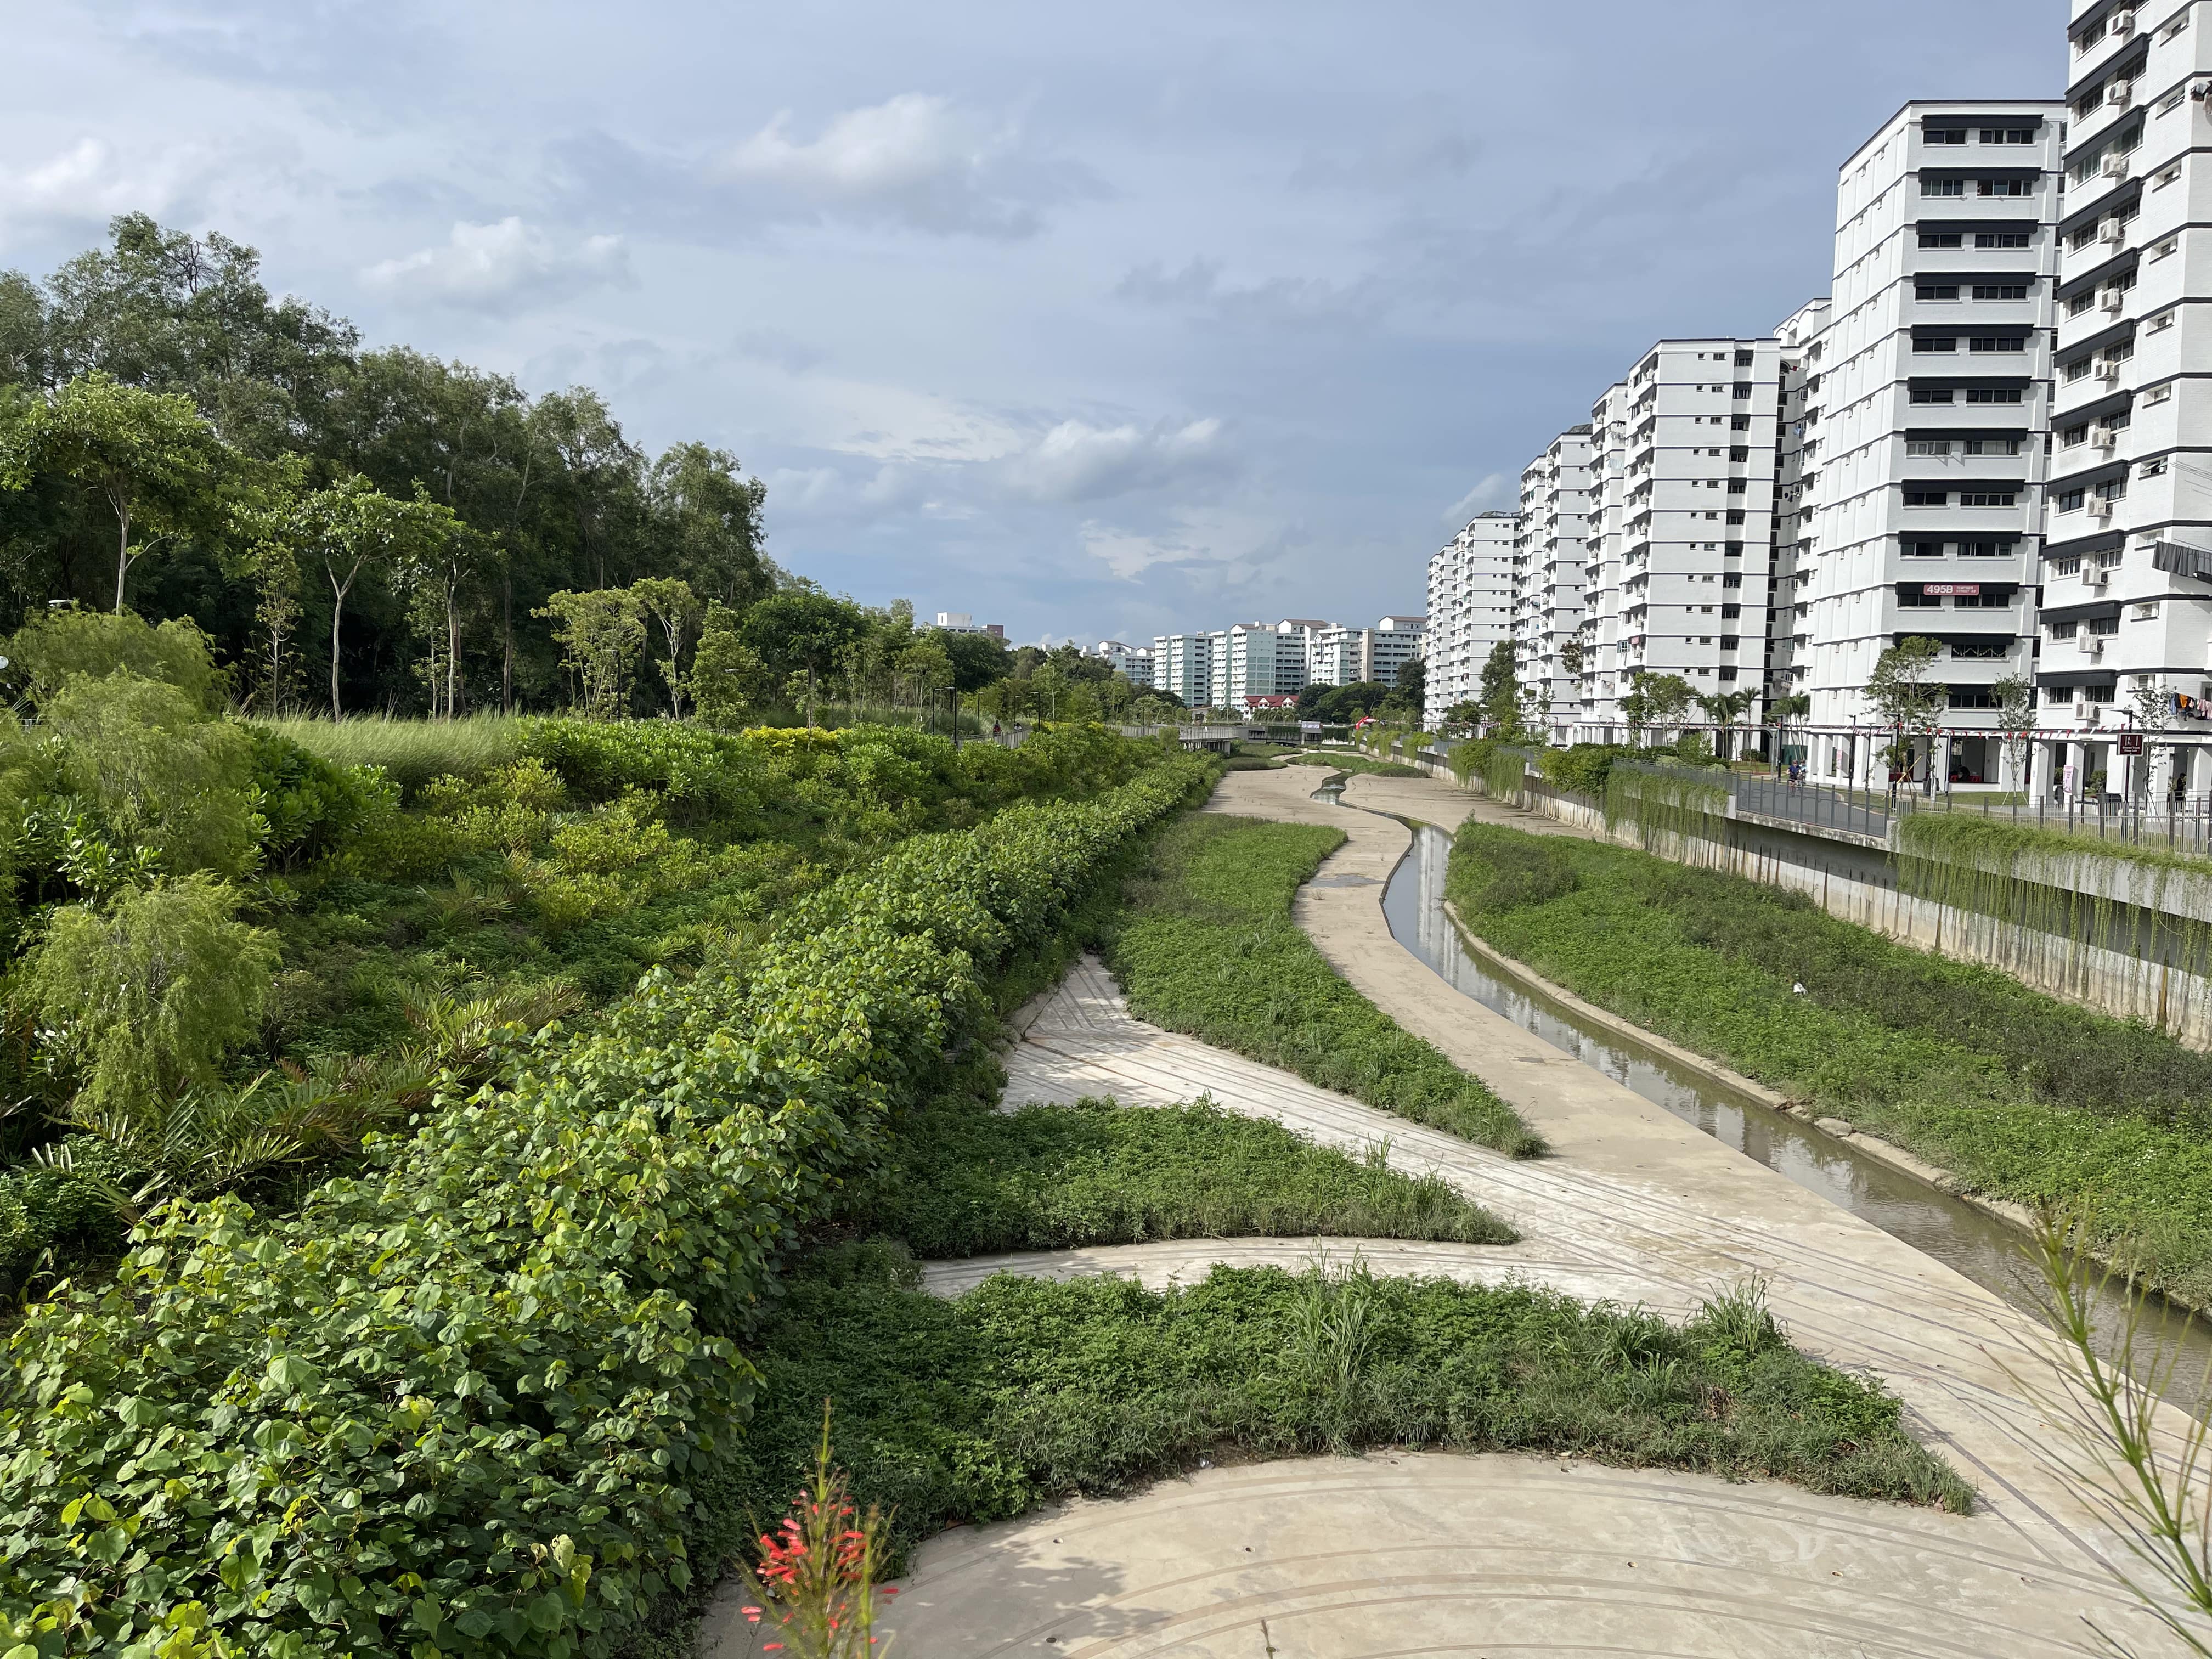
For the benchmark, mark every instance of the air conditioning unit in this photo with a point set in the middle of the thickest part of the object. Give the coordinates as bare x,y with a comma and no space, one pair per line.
2097,575
2120,94
2113,298
2114,165
2123,24
2108,370
2112,231
2104,437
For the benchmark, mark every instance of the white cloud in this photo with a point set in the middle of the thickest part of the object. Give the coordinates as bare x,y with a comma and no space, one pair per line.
92,180
503,263
917,159
1496,490
1078,462
1227,547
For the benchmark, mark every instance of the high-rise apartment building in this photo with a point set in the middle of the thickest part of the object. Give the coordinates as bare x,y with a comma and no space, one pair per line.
2127,573
1789,622
1470,610
1698,509
1924,424
1596,659
1265,659
1548,593
1133,663
1184,663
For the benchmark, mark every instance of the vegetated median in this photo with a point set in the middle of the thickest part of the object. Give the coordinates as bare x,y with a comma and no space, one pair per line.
1338,760
2020,1096
1208,947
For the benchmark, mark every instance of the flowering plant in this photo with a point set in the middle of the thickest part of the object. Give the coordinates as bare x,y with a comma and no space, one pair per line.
816,1579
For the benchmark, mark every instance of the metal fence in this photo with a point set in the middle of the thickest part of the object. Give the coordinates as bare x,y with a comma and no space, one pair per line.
1843,811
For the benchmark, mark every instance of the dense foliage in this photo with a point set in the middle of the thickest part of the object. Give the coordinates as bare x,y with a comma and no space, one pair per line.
463,1397
2024,1097
964,1180
1208,948
1025,1390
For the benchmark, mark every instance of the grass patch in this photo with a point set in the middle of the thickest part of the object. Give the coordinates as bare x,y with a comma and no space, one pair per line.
1024,1391
1208,947
2023,1096
963,1180
413,752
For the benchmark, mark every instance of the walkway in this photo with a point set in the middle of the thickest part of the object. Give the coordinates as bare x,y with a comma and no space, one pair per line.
1502,1555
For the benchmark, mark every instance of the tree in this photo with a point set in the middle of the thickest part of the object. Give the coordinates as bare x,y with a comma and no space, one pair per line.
57,646
147,996
708,517
1498,694
601,632
670,602
1724,709
163,774
727,676
1655,700
1410,691
147,455
1900,692
2015,699
801,633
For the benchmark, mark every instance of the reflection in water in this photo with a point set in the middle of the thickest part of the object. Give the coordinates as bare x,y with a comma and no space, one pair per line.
1983,1249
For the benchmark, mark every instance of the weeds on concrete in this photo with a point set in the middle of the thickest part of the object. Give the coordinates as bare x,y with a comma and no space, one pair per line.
1207,946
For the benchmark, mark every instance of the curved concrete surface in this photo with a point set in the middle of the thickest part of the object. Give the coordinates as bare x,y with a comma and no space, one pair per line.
1496,1554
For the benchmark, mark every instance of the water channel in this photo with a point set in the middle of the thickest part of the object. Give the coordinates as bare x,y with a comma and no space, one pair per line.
1983,1249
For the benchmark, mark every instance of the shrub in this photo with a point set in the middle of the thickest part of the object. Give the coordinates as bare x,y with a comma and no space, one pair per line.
1583,768
53,649
477,1386
309,808
146,997
164,776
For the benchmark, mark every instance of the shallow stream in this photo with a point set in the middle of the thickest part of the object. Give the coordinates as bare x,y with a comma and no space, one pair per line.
1985,1250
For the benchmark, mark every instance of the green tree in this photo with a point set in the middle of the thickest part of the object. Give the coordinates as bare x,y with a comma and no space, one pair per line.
801,633
1724,709
1902,693
708,516
728,677
1655,700
670,602
601,631
164,776
148,455
2016,700
1499,693
145,997
57,646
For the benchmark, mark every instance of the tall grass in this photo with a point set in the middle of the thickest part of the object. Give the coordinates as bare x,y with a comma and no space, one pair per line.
413,752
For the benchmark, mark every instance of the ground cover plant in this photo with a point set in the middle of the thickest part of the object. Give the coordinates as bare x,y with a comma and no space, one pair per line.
1343,761
475,1387
2023,1096
961,1179
1207,946
1024,1390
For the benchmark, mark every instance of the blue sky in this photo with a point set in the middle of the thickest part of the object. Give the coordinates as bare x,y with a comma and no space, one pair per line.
1093,321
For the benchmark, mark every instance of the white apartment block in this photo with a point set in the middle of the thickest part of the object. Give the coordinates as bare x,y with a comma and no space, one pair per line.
1470,610
1596,662
1550,554
1789,626
1133,663
1924,422
963,621
1184,663
1392,643
2126,575
1697,516
1265,659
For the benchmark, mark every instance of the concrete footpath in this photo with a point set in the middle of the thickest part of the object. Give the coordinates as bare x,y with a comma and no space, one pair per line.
1498,1554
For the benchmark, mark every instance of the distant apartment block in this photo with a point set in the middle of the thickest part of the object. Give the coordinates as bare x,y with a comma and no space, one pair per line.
963,621
1132,662
1550,555
1789,634
1470,610
1595,661
1182,664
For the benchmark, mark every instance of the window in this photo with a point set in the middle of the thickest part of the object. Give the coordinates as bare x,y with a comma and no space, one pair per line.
1734,578
1931,394
1913,599
1734,550
1933,342
2080,302
2003,547
1988,497
1736,422
1943,186
1944,135
2106,693
1999,291
1740,453
2066,567
2163,320
2103,627
1992,394
2001,239
2147,612
1913,550
1735,517
2070,501
2165,176
2171,245
2008,135
1996,342
1936,291
1943,239
1921,495
1743,360
1743,388
1927,446
2069,437
2064,630
1738,486
2158,394
2005,187
2078,368
2172,30
1991,446
2090,36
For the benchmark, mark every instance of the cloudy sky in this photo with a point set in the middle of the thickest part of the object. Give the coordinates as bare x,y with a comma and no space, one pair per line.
1091,320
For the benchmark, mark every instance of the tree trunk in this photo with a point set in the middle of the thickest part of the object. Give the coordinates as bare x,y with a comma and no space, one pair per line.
122,551
453,647
338,591
810,696
506,645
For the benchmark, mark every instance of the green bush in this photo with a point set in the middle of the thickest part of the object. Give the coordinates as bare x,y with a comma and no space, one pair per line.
162,774
51,650
963,1180
56,1216
1583,768
1517,869
462,1401
1208,947
1024,1390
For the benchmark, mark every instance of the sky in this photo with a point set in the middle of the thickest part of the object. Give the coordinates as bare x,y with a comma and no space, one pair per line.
1095,322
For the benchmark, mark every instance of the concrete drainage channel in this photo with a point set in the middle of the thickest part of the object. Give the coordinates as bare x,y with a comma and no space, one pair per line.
1971,1242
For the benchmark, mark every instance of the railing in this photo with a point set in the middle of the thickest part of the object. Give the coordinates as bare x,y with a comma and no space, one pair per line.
1851,812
